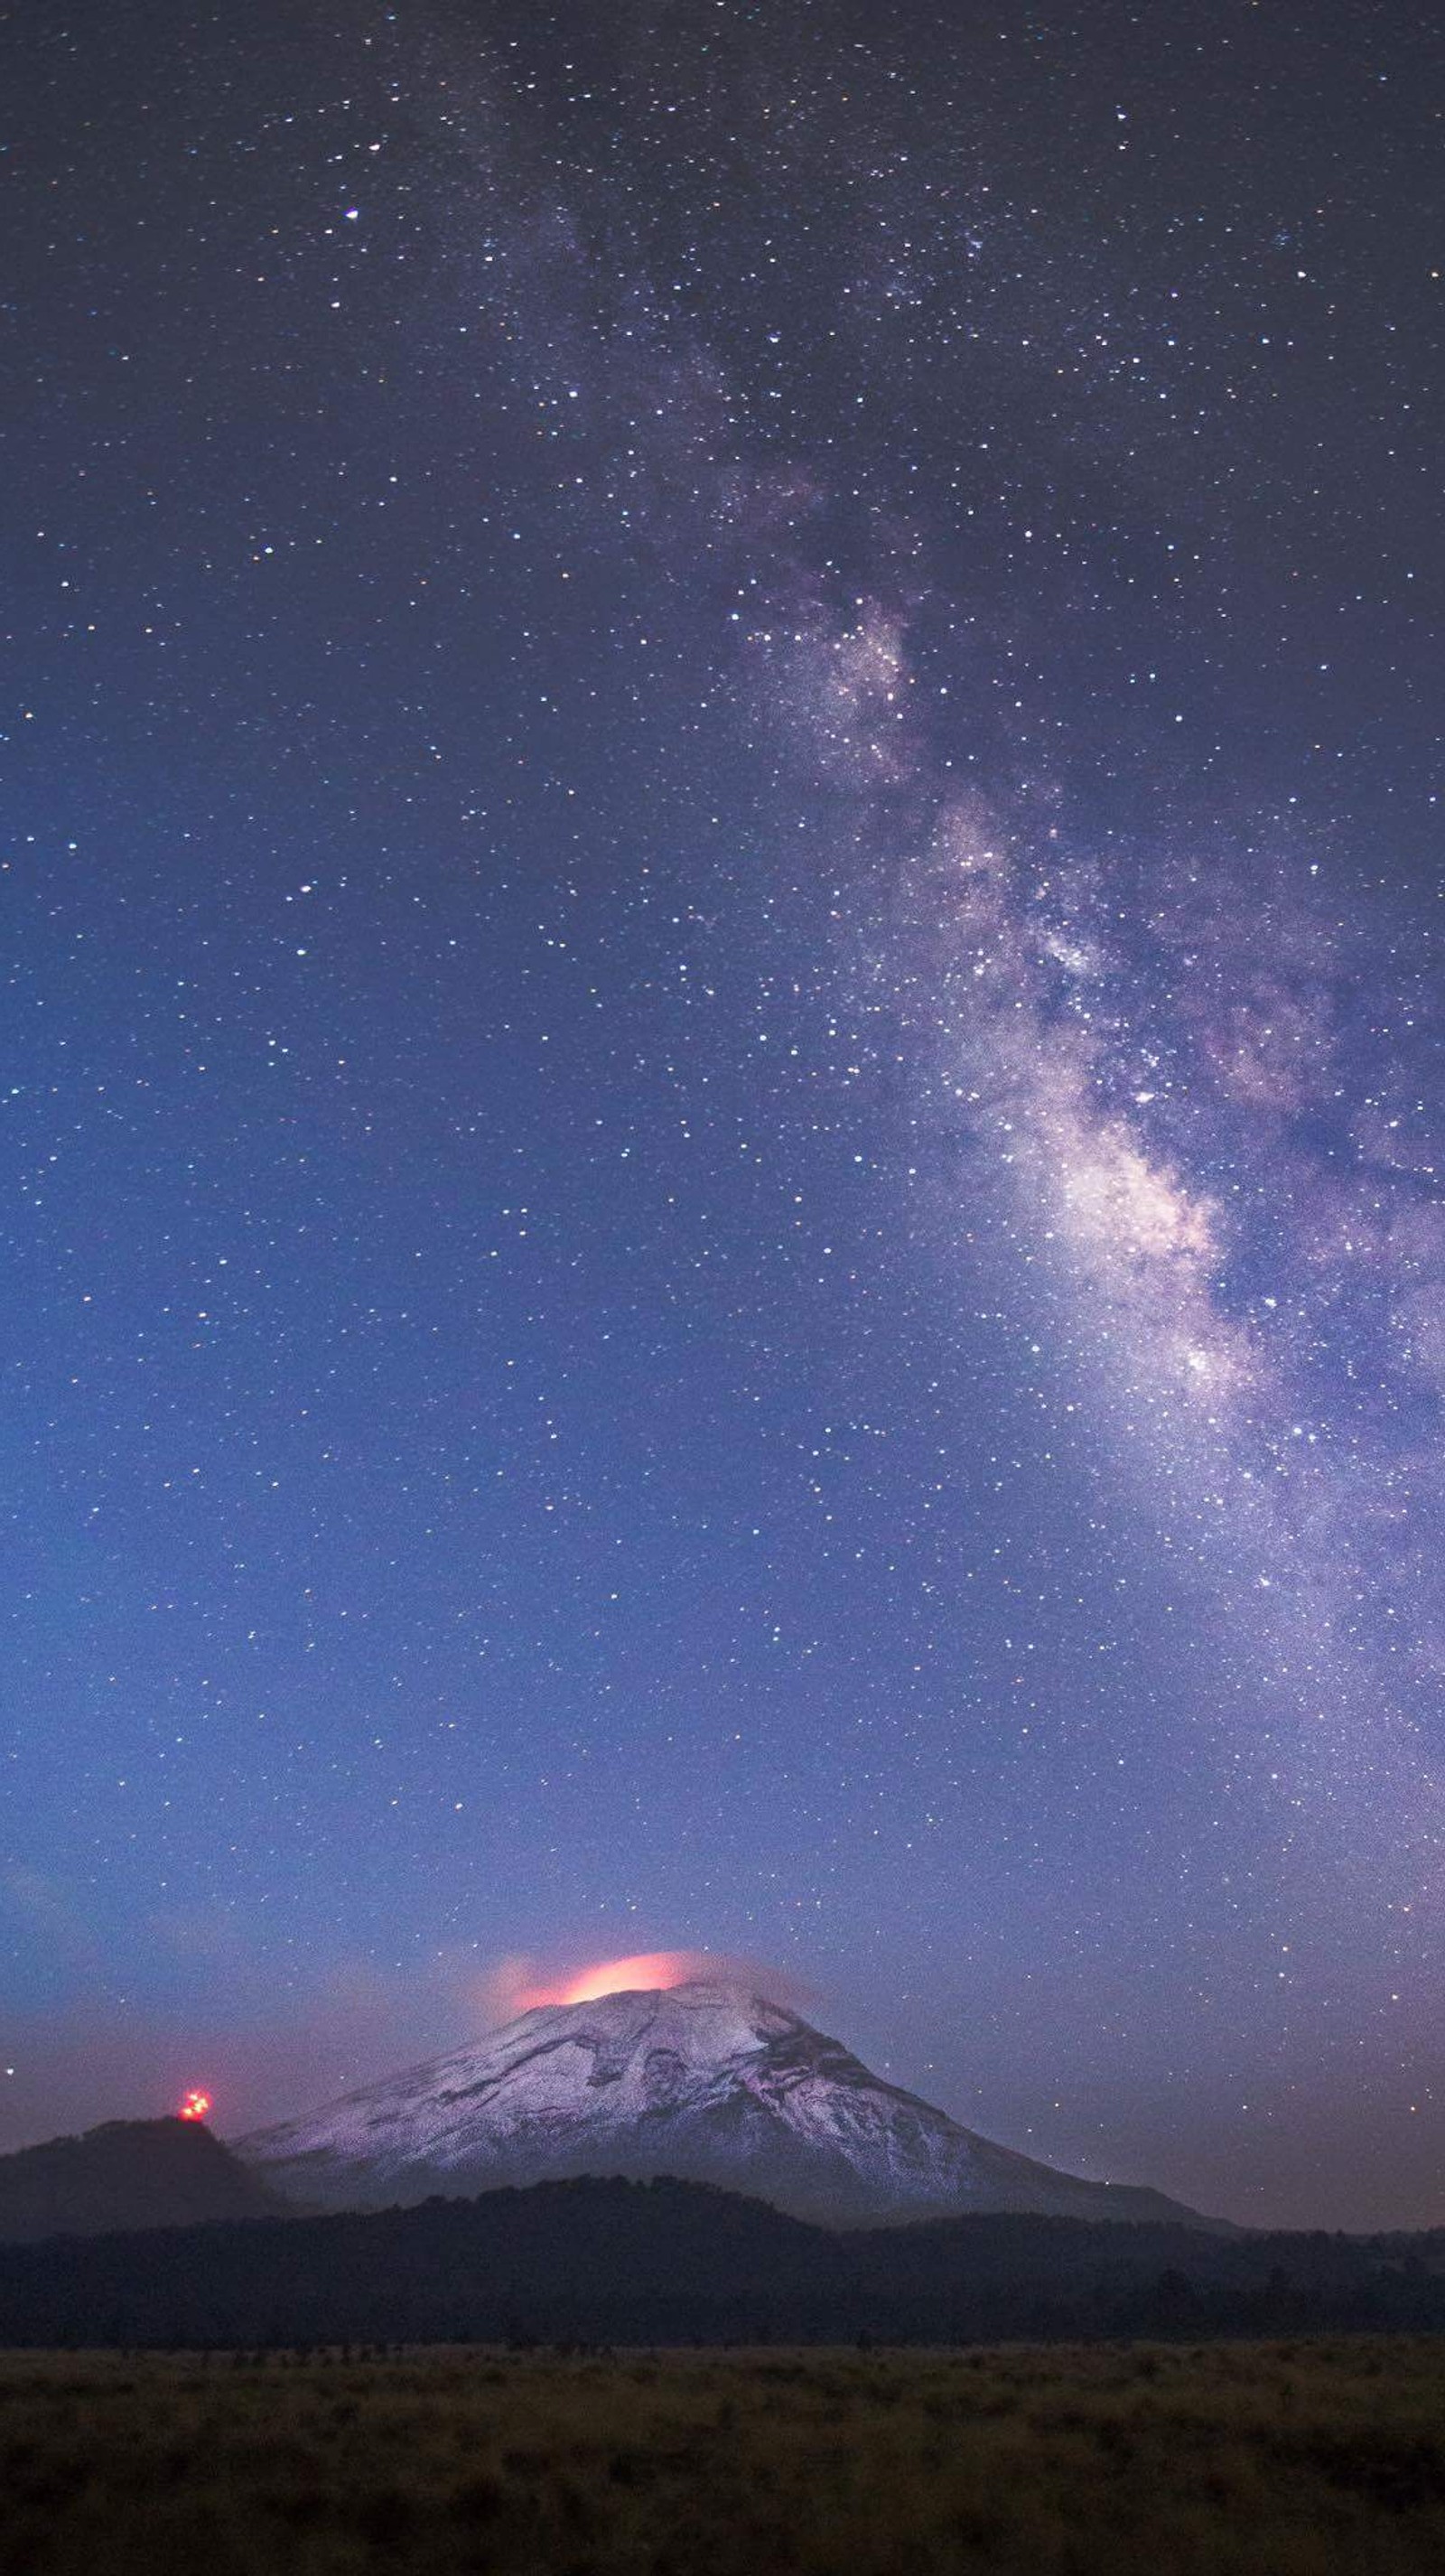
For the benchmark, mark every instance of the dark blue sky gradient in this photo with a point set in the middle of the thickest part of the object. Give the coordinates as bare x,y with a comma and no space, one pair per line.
720,1123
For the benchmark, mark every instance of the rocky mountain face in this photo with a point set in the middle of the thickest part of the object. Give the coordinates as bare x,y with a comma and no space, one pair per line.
127,2174
705,2081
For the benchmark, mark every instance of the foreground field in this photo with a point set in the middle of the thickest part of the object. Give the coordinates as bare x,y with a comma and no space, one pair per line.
1303,2459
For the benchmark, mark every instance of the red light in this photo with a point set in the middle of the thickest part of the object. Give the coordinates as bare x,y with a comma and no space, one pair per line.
195,2106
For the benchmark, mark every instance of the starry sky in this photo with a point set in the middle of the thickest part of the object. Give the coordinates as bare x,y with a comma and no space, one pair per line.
721,1128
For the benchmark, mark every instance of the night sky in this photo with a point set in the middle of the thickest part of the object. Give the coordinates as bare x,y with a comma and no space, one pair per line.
721,1125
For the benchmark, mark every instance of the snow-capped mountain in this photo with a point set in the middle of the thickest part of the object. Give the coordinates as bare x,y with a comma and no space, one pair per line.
703,2080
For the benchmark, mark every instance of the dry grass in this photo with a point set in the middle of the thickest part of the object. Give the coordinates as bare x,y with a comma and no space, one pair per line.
1307,2459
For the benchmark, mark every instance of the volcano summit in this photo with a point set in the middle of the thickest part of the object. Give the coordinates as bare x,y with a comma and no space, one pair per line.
704,2080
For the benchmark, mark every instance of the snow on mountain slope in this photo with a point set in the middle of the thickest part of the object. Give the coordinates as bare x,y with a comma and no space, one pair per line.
703,2080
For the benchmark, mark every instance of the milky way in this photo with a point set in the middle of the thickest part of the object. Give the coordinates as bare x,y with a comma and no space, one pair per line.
722,1158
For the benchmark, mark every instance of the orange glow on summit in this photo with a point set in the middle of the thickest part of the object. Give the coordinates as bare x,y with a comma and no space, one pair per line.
195,2105
649,1969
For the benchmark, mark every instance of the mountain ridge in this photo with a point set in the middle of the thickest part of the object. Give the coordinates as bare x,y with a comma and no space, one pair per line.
127,2174
706,2080
669,2263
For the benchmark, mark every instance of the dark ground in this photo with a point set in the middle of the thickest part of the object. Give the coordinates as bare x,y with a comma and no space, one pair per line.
1306,2458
